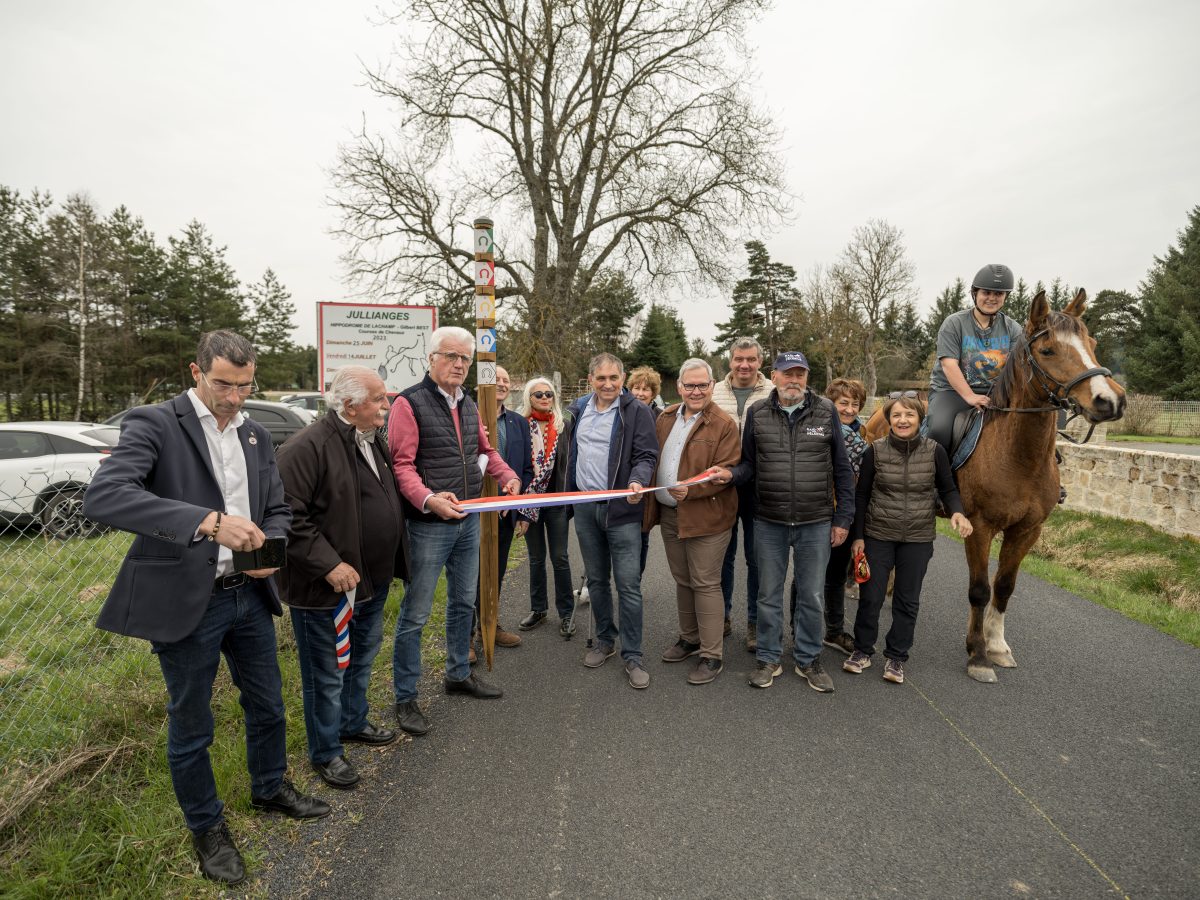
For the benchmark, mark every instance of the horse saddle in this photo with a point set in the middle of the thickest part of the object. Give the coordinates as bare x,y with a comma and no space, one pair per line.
967,426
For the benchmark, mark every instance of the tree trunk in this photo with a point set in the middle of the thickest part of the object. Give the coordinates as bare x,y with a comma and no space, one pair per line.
82,330
869,353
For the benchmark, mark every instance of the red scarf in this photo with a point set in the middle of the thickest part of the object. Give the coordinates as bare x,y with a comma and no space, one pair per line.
551,438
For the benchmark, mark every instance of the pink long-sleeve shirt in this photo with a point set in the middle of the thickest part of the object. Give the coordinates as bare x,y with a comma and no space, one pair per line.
404,438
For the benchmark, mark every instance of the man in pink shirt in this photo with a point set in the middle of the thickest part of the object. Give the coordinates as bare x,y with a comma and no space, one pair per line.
436,438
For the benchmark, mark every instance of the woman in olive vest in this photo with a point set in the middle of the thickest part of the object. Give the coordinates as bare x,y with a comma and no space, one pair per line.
902,477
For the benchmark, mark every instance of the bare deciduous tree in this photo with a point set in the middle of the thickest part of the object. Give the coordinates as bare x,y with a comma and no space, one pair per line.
827,322
597,132
878,273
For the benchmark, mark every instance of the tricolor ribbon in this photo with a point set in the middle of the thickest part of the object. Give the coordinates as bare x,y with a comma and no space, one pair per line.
562,498
341,626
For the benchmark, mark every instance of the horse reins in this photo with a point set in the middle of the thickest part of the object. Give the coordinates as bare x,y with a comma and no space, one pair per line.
1052,387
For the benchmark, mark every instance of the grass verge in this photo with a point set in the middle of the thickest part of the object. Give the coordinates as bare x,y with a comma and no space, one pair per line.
1150,439
1143,573
85,791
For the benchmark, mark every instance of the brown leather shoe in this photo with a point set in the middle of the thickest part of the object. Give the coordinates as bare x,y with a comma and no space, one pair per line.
507,638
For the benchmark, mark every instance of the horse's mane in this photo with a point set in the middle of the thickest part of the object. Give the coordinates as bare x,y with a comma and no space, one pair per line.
1005,385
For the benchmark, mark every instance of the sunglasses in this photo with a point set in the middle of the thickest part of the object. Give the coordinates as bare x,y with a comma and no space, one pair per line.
542,395
896,395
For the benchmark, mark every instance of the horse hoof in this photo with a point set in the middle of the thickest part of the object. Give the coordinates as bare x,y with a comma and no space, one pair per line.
1003,659
984,674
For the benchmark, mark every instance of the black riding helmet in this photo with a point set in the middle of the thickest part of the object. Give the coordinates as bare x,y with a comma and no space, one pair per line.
994,277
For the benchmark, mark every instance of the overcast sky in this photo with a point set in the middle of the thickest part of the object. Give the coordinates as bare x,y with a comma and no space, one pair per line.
1060,138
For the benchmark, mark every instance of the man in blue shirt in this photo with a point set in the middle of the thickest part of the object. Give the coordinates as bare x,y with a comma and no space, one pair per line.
613,445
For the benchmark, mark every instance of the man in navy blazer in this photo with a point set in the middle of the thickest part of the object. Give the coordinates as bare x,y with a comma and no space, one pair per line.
194,480
515,446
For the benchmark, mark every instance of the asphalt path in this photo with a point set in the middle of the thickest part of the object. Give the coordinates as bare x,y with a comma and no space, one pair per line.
1077,775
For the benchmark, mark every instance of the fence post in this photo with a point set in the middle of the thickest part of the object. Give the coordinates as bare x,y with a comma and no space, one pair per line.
485,356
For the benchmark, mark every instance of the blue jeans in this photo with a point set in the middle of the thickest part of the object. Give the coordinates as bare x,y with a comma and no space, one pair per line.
335,700
433,546
809,545
747,521
238,625
616,549
551,529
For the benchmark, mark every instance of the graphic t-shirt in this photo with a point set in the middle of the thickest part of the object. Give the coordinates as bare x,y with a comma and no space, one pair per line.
981,352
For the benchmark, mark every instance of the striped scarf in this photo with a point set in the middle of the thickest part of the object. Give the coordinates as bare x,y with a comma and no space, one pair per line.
541,436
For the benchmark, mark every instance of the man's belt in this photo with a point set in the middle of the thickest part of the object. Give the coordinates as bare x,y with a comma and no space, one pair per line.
229,582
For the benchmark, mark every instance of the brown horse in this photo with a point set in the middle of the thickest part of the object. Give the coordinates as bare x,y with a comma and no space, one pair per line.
1010,484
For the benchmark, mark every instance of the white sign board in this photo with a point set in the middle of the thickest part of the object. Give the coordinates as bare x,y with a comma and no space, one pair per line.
392,340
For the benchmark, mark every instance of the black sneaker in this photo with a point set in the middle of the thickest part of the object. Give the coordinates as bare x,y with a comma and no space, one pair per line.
840,641
818,679
566,627
532,621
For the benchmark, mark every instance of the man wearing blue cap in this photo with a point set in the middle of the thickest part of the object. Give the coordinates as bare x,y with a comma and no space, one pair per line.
793,452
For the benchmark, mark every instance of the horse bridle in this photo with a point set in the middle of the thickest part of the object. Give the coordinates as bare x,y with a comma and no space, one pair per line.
1052,386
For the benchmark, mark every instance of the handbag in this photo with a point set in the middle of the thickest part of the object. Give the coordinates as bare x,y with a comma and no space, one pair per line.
862,571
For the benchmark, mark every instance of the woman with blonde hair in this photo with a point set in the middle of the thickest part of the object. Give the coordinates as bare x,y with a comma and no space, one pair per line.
646,384
550,436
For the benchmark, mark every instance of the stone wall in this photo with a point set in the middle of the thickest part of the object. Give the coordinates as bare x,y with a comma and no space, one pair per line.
1161,489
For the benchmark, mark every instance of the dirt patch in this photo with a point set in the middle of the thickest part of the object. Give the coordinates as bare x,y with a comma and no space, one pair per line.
12,664
93,593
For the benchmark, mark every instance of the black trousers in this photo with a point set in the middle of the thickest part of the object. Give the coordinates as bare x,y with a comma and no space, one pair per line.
835,588
910,560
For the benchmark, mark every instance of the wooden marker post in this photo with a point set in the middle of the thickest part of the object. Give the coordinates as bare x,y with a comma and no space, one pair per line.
485,356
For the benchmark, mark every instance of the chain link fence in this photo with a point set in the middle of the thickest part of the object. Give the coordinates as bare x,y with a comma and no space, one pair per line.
65,686
1148,415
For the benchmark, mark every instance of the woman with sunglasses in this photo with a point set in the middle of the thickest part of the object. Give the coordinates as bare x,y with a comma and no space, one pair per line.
900,481
550,436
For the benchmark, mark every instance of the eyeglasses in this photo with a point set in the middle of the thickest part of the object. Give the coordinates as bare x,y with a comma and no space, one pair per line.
453,358
695,388
896,395
224,387
542,395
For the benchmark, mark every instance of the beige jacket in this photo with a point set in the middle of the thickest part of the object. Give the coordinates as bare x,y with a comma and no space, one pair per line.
724,398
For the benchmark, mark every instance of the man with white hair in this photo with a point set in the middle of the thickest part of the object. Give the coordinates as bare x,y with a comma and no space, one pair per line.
347,536
695,436
437,439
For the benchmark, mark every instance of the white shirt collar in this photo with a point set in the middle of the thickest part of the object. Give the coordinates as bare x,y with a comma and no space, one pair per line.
203,412
452,400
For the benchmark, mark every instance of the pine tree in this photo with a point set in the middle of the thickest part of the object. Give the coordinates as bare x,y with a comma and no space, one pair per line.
1019,301
952,299
270,331
1112,318
762,302
1165,359
662,343
202,294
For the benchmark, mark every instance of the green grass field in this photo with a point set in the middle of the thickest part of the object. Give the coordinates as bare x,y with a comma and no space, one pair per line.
85,789
1151,439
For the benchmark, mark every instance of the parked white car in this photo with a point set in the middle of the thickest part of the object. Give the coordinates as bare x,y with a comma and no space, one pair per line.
44,469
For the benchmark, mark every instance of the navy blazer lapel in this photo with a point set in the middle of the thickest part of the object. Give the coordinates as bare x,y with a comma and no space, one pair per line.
190,422
250,444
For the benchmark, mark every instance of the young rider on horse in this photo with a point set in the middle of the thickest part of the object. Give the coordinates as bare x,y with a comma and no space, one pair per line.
972,348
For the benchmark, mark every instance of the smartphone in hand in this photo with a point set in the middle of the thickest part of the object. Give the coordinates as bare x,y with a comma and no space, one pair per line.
271,555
